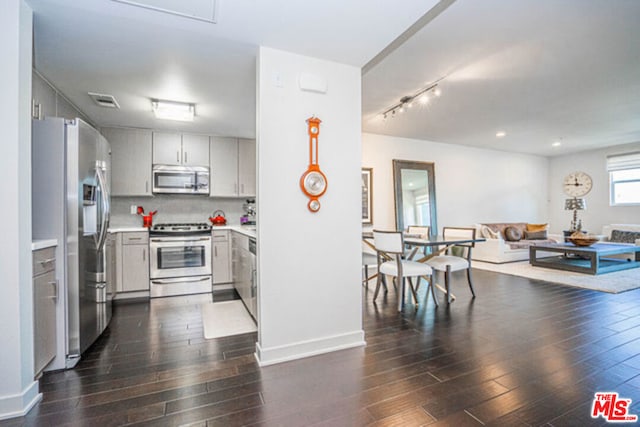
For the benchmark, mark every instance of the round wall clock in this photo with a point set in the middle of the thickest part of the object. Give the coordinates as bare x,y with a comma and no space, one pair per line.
577,184
313,182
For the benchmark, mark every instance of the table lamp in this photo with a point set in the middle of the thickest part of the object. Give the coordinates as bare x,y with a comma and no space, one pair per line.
575,205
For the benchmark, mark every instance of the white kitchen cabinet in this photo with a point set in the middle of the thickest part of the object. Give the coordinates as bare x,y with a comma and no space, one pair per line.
167,148
221,256
224,167
135,261
195,150
45,299
233,167
180,149
247,167
130,161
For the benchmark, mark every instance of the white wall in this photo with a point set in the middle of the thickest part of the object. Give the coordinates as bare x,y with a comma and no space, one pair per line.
309,264
18,391
472,185
598,212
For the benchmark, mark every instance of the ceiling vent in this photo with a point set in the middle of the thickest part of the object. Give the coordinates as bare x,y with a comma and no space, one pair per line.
103,100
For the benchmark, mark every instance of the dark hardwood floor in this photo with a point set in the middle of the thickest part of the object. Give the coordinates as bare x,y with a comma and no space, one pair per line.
524,352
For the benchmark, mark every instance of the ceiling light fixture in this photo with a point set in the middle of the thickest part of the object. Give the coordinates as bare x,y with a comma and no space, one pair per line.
501,134
557,143
172,110
422,96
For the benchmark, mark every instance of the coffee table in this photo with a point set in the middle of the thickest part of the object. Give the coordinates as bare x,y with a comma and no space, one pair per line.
589,260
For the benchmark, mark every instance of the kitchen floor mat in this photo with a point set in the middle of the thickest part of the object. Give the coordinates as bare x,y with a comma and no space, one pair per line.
222,319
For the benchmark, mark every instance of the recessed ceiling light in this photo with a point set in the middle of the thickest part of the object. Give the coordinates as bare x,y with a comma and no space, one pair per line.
171,110
556,144
500,134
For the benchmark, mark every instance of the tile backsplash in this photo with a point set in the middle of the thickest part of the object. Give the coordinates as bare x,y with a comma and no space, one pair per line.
174,208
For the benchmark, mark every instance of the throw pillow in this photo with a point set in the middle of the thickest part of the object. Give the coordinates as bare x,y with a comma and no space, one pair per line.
512,234
621,236
537,227
535,235
488,233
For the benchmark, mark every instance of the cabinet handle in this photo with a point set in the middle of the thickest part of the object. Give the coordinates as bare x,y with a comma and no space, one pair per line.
241,188
215,250
144,255
55,289
134,238
47,261
178,156
185,157
146,186
235,187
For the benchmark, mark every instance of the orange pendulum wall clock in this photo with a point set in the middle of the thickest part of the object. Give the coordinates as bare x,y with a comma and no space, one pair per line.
313,182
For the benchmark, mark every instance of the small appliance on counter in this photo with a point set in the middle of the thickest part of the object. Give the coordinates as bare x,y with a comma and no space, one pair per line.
249,218
218,218
147,220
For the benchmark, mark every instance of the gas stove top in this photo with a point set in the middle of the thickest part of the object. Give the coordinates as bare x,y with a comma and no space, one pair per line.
181,228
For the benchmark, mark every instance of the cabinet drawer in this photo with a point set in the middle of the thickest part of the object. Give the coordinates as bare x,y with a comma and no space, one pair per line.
135,238
220,235
44,260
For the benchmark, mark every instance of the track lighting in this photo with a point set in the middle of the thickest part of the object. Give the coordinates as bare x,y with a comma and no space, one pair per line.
422,96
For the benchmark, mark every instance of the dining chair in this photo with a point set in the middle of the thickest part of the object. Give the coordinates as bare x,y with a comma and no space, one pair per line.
449,262
367,260
391,243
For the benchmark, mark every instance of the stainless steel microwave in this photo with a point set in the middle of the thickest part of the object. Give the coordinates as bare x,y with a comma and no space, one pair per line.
168,179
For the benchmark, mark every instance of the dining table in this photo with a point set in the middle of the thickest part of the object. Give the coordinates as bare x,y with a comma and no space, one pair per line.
437,245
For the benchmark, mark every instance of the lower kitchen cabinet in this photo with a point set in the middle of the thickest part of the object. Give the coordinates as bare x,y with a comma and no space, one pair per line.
244,270
45,300
135,261
221,256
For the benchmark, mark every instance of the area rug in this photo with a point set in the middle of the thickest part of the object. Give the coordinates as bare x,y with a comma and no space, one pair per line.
222,319
616,282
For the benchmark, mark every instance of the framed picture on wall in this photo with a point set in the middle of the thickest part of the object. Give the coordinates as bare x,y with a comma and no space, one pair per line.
367,195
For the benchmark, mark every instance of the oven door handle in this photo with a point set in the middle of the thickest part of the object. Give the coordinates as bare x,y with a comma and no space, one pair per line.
186,280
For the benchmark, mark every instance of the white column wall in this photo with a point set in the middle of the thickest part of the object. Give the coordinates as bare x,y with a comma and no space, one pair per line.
598,212
473,185
18,391
309,263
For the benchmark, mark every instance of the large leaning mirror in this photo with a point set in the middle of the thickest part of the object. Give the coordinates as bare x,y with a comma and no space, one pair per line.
415,194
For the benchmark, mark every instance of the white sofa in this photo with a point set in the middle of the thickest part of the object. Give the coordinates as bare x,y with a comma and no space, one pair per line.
498,251
607,230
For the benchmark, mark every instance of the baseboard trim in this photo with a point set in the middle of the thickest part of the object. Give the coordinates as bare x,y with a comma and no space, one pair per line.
18,405
302,349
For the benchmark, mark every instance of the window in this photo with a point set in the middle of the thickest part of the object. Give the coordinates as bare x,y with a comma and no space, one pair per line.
624,178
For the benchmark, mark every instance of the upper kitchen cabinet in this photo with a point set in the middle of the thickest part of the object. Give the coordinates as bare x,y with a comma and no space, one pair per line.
130,161
180,149
247,167
195,150
233,167
223,180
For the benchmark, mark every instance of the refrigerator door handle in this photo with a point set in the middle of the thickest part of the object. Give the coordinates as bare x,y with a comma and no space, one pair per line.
106,209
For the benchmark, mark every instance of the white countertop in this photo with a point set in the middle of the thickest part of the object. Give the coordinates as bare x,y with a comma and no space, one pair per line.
128,229
247,230
43,243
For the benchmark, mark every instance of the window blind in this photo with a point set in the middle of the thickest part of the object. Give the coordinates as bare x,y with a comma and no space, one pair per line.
619,162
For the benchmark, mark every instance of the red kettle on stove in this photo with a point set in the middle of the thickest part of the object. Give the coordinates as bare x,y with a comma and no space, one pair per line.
218,218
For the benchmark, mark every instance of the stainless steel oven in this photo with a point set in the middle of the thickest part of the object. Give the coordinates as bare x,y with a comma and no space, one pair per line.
180,259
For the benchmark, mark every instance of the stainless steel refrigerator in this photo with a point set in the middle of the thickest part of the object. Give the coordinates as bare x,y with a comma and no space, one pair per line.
71,202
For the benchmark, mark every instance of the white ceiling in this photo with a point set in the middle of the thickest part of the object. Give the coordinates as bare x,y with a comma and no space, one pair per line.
136,54
541,70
